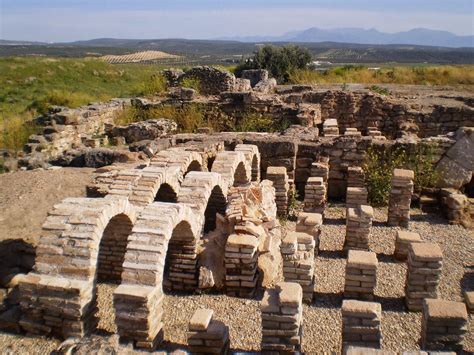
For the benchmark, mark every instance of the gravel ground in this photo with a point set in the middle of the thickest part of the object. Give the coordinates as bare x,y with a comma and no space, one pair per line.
322,319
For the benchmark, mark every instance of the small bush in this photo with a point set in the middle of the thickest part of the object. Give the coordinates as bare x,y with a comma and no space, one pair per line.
15,132
156,84
60,98
379,90
380,163
191,83
254,122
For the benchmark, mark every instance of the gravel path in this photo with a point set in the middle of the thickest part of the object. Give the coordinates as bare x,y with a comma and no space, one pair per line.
322,320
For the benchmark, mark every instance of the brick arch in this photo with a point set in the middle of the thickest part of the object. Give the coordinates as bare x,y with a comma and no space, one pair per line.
59,294
252,155
167,167
163,231
206,194
233,167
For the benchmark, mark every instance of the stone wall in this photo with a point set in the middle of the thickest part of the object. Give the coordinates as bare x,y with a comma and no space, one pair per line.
212,81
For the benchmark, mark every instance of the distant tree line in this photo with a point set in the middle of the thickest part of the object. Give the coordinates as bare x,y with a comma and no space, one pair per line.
280,62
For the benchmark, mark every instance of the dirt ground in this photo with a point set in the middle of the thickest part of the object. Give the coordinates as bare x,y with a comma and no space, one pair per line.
27,196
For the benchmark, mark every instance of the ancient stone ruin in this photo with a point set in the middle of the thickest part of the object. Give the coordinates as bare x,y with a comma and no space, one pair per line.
187,213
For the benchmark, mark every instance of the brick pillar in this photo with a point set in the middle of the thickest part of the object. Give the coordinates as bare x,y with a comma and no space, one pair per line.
358,224
241,256
279,177
356,196
297,251
400,198
207,336
321,169
330,128
443,325
315,195
403,241
355,176
361,323
424,271
282,318
361,275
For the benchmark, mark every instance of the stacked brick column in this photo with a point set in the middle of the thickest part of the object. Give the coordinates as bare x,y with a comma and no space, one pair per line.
400,198
361,323
444,325
207,336
358,224
330,128
361,275
321,169
355,176
425,261
282,319
315,195
297,250
241,256
279,177
356,196
402,243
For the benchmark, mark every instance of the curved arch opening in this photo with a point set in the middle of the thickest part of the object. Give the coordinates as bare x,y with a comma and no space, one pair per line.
166,194
240,175
194,166
111,255
255,168
180,271
210,161
112,248
216,204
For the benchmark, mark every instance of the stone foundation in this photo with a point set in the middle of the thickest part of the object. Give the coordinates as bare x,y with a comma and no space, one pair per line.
358,225
315,195
207,336
361,275
402,243
361,323
425,261
400,198
356,196
444,325
279,177
282,319
297,250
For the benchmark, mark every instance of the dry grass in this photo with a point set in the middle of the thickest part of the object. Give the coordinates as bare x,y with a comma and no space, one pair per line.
429,75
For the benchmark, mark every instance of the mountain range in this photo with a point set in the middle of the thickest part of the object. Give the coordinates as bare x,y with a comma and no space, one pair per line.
416,36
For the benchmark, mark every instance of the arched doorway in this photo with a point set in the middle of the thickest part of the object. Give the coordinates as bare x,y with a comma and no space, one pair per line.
216,204
240,175
166,194
180,271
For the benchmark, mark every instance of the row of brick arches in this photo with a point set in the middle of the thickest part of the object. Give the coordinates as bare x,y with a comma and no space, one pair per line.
145,230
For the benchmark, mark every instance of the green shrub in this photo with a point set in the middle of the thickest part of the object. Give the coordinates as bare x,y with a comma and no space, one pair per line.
281,62
156,84
379,90
254,122
380,162
60,98
191,83
14,132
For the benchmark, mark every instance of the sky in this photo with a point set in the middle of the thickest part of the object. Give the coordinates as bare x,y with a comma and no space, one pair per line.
69,20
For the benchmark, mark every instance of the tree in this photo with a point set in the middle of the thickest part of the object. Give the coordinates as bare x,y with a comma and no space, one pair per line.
279,61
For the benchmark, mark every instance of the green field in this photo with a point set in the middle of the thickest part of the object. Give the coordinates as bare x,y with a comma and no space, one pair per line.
30,85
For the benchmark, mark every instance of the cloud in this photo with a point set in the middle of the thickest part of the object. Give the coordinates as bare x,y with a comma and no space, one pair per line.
59,24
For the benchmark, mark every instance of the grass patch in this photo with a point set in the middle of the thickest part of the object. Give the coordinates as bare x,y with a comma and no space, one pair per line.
421,75
191,83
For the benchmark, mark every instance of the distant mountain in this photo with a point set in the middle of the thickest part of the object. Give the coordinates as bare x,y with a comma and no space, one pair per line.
416,36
